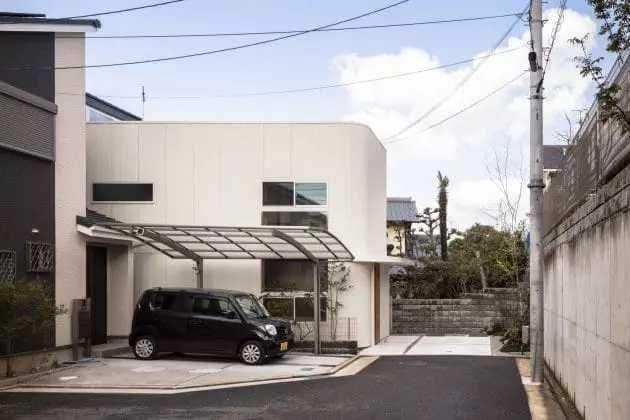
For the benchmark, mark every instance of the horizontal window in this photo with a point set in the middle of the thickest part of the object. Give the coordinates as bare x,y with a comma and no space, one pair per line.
278,193
122,192
310,194
299,308
295,218
294,194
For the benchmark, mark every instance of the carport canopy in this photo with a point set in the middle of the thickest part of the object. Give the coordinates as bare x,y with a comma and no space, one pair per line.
200,243
229,243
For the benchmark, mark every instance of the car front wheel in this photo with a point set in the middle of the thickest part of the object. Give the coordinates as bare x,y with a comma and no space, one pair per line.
145,347
252,353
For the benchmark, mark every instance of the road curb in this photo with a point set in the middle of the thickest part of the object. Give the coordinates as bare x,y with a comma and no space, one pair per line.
118,388
19,380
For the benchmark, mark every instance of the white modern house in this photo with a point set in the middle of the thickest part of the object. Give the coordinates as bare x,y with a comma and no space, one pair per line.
320,175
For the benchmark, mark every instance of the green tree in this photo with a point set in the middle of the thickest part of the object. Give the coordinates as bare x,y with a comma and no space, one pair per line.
443,204
428,221
614,16
26,308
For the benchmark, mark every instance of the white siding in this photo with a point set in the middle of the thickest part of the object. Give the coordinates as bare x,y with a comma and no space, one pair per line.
212,174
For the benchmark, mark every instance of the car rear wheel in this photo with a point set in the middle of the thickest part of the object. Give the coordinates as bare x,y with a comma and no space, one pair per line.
252,353
145,347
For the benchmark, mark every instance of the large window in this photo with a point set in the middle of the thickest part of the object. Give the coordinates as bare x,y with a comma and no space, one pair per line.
295,218
131,192
294,194
289,287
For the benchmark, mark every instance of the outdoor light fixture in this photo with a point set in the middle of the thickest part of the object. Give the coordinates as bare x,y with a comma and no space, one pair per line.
35,231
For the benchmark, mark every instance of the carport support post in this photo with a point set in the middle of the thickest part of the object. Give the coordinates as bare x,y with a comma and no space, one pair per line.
316,305
199,273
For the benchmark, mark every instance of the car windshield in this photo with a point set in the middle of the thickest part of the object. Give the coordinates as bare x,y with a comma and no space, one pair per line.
251,307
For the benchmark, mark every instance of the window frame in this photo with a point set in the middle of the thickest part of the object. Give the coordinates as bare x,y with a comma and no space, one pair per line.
187,302
294,205
294,210
293,296
219,298
122,183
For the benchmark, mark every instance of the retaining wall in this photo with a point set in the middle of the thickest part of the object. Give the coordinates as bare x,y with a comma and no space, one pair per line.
469,315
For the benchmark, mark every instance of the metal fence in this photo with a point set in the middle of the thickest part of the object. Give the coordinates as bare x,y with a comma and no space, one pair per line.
597,152
337,336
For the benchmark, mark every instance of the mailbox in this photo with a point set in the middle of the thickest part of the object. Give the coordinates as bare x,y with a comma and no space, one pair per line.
81,326
85,322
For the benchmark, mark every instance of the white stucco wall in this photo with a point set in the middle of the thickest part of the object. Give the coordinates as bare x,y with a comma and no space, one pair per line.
70,172
212,174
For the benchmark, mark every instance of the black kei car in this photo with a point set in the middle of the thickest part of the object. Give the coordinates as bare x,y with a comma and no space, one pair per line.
205,321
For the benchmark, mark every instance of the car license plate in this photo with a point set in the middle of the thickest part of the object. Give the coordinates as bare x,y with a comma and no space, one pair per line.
284,346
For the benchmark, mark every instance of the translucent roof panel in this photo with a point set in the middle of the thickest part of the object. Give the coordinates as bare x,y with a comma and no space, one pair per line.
229,242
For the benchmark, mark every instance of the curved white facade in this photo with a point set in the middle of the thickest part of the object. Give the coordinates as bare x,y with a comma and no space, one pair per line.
212,174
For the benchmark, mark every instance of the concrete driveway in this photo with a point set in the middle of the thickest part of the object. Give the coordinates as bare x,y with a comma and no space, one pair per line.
400,345
178,373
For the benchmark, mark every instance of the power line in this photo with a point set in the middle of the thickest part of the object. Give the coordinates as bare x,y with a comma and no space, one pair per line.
347,28
111,12
238,47
463,81
554,34
314,88
461,111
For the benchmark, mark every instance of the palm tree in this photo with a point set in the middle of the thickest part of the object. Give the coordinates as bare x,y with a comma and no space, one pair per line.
442,204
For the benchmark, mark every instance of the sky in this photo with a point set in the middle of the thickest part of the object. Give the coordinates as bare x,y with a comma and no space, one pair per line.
462,148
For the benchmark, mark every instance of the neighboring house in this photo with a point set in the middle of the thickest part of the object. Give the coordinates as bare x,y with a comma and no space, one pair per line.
401,214
324,175
553,156
97,109
43,159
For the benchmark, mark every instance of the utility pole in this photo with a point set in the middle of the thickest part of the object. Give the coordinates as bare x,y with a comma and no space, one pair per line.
536,186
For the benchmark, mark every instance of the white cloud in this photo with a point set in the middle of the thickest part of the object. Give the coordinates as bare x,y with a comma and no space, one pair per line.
461,146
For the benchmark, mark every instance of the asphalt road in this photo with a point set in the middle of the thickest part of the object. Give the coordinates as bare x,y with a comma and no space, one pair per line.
420,387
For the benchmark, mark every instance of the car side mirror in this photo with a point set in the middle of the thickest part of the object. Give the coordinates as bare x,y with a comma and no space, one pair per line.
230,314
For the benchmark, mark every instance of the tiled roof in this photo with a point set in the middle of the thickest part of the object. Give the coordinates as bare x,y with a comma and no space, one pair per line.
8,17
401,209
552,156
92,217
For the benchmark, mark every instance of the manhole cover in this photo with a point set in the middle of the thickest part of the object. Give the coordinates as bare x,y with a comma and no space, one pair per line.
148,369
68,378
415,363
205,371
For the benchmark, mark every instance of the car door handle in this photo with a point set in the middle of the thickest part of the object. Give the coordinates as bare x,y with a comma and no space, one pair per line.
196,322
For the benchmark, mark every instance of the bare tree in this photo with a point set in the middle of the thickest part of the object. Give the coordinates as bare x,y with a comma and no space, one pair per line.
508,174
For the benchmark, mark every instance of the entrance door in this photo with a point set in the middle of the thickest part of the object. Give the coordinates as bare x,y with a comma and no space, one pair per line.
96,290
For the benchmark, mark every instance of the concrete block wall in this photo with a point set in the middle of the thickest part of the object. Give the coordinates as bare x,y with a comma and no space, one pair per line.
468,315
587,302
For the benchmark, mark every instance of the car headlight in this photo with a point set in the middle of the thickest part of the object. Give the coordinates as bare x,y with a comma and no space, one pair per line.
271,329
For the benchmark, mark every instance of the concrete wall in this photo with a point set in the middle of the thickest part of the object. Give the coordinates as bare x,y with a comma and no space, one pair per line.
587,302
469,315
212,174
70,172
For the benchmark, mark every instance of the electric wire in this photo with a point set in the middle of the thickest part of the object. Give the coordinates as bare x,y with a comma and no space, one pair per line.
462,82
313,88
461,111
221,50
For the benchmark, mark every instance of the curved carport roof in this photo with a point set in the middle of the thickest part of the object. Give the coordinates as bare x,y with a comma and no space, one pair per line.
232,242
